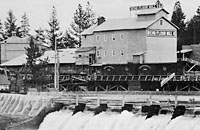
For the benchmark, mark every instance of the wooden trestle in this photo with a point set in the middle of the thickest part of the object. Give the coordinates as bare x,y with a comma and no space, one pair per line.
130,78
129,83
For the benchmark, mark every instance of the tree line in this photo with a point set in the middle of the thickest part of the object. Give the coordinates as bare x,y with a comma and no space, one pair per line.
189,31
83,18
36,67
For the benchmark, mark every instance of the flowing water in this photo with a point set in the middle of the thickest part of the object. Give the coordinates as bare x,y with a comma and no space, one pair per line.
63,120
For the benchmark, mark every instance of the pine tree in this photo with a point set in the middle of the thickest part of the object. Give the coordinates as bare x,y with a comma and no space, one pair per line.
68,41
193,29
82,20
178,18
25,27
53,32
1,32
35,66
40,35
10,25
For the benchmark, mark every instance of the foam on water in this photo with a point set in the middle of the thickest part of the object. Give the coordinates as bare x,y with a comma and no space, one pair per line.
63,120
54,121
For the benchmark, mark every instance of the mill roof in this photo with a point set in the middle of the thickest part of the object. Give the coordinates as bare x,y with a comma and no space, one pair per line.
65,56
122,24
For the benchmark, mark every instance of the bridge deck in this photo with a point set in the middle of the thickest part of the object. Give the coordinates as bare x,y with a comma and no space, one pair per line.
135,98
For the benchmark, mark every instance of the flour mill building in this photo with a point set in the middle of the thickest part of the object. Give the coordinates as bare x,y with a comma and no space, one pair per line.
145,44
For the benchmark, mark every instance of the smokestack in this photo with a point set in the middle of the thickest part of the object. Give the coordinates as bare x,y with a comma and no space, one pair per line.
100,20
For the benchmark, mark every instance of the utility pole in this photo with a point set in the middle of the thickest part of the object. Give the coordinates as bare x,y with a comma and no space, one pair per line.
56,66
194,32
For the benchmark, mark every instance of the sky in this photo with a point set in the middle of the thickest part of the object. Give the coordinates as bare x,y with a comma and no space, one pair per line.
38,11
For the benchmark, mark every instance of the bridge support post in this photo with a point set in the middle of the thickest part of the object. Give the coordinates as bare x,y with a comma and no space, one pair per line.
76,99
176,101
98,100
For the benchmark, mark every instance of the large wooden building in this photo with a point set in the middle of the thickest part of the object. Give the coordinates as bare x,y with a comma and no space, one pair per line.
141,42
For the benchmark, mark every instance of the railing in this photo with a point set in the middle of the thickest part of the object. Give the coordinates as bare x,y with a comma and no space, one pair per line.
146,78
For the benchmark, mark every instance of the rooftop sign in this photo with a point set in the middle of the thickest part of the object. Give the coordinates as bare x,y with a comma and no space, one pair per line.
157,5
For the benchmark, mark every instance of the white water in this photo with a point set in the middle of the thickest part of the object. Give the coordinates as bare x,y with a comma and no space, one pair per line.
24,105
63,120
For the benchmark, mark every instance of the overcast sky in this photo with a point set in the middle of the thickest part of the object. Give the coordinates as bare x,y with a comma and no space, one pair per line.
38,11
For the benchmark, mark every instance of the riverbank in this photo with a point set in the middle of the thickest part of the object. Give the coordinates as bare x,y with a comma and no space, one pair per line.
23,112
7,120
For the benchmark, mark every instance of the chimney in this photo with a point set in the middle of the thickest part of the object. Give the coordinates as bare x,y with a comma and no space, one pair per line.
100,20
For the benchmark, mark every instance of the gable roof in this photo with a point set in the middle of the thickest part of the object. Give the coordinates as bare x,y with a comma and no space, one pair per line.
166,20
117,24
122,24
65,56
90,30
151,11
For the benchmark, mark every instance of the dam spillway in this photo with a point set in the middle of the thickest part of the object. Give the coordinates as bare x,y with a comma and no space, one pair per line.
29,105
124,120
63,120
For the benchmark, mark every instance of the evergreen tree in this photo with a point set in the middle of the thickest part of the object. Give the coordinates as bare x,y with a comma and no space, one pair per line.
53,32
10,25
40,35
25,27
1,32
178,18
68,41
35,66
82,20
193,29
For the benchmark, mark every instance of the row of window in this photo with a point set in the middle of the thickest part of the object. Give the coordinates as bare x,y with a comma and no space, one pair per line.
113,53
106,38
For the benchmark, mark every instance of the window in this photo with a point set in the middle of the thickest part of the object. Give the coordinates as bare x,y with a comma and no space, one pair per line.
98,54
122,36
113,53
113,37
122,52
97,38
161,22
105,38
105,53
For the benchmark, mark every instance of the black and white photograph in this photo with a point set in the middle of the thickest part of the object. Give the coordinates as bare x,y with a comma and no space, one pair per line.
99,65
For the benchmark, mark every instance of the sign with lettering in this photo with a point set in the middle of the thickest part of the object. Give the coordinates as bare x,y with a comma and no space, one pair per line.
161,33
157,5
142,7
